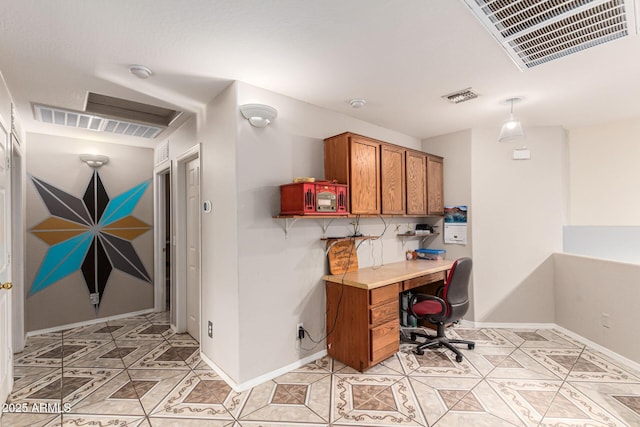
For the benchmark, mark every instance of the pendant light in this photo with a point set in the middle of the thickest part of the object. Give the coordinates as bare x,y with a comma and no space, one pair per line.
512,128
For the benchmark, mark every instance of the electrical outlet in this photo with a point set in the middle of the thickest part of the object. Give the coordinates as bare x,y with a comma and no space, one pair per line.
94,298
300,331
210,329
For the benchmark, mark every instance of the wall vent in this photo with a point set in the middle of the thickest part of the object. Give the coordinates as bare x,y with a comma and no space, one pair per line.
80,120
534,32
461,96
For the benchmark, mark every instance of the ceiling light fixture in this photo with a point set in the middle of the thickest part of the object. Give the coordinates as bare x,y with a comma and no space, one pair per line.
140,71
94,160
512,128
357,103
259,115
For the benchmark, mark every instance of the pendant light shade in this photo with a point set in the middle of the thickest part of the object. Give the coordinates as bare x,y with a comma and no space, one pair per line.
512,128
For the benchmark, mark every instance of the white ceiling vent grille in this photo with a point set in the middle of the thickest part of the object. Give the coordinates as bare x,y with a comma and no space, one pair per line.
60,116
461,96
537,31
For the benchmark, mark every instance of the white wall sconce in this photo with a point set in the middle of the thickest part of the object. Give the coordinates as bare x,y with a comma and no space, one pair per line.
94,160
512,128
259,115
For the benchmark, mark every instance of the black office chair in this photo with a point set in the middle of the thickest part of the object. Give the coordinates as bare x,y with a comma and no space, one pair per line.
450,305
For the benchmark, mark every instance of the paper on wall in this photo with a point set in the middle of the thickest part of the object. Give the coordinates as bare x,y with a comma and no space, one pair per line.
455,233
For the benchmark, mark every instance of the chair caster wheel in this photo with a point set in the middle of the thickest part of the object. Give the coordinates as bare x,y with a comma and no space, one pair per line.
412,335
471,346
458,358
419,352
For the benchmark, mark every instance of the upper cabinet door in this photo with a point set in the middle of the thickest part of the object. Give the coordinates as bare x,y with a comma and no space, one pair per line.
364,183
416,183
435,185
392,179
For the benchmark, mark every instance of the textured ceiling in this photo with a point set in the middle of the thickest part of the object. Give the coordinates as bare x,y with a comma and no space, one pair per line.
401,56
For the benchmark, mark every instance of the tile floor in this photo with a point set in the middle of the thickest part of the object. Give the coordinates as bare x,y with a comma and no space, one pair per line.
136,372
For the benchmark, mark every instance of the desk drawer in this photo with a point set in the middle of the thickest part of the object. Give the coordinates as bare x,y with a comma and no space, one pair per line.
423,280
384,313
384,293
385,340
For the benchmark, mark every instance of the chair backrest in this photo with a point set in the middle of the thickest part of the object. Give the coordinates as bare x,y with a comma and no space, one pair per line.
456,290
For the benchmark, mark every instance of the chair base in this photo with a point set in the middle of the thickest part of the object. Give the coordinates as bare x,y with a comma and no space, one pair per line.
440,340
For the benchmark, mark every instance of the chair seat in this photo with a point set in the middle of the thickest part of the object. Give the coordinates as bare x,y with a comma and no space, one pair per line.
425,308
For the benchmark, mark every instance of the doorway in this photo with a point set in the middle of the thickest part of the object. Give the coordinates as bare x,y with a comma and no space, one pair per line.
187,265
163,247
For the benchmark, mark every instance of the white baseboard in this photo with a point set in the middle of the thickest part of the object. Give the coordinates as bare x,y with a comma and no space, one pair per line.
87,322
262,378
500,325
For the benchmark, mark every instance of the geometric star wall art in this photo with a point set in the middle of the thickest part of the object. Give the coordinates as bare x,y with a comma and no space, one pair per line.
92,234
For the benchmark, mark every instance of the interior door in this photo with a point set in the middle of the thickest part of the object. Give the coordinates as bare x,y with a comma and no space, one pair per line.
6,351
193,248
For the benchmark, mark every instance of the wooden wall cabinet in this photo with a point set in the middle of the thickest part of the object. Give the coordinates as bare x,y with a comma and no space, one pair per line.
355,160
435,184
416,164
392,179
384,178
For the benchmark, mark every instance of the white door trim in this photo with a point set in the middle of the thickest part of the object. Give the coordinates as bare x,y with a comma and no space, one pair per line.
19,209
159,235
180,198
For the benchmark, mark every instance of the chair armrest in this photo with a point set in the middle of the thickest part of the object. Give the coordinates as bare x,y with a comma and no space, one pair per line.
416,298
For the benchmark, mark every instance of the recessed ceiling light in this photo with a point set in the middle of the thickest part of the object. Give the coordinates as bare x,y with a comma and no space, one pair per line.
357,103
140,71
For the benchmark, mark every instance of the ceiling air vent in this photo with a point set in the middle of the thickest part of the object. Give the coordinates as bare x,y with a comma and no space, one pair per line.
76,119
537,31
461,96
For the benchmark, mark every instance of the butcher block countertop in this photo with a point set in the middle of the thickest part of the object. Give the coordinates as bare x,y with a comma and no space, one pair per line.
375,277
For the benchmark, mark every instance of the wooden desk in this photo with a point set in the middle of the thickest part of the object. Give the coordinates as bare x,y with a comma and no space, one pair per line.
363,321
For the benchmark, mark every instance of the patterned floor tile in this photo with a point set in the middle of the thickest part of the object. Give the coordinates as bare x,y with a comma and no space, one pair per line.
79,383
437,395
54,353
620,400
114,397
487,359
293,397
167,356
24,376
577,365
192,398
570,407
106,356
29,420
103,420
519,365
529,399
162,317
482,337
148,331
131,351
232,401
153,385
437,362
46,389
390,366
182,422
539,338
325,363
374,400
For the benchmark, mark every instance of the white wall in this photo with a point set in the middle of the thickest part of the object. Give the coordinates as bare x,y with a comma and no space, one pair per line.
519,208
456,150
604,174
280,278
587,288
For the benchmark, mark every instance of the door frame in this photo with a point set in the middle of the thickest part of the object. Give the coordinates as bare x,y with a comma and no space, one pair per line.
179,301
18,238
160,237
